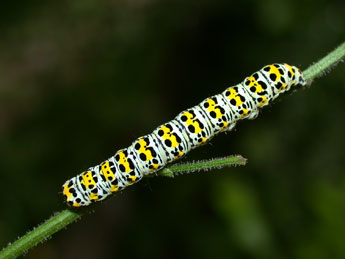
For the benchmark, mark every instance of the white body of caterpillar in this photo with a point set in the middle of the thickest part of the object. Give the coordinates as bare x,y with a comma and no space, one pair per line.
190,129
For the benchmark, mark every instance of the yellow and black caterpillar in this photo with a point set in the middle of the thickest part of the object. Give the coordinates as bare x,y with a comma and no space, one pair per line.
190,129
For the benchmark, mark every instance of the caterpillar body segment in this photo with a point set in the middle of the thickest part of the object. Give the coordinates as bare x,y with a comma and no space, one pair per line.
174,140
241,102
196,125
219,113
190,129
150,153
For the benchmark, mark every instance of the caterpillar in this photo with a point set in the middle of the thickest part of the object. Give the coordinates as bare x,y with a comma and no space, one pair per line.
172,140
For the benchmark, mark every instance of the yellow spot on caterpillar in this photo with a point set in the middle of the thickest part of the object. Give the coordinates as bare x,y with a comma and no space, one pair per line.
274,70
225,125
133,178
123,160
263,101
76,204
168,135
212,107
88,180
253,86
254,83
143,149
66,191
106,171
192,121
93,196
179,155
203,140
234,97
154,167
114,188
244,113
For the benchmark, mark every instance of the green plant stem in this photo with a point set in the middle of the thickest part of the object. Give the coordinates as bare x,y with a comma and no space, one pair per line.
64,218
39,234
217,163
325,64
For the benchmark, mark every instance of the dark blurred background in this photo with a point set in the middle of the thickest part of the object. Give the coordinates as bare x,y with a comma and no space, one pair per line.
81,79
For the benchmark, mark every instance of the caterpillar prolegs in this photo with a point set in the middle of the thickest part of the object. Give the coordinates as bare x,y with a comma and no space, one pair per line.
190,129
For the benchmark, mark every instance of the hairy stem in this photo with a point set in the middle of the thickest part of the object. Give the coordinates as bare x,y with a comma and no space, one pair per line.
217,163
325,64
65,217
39,234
